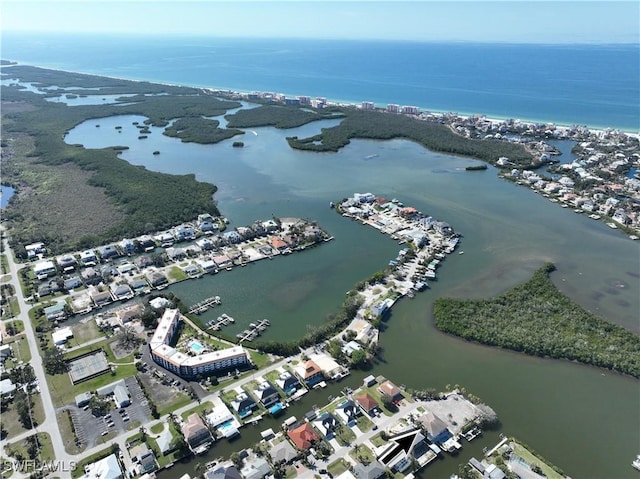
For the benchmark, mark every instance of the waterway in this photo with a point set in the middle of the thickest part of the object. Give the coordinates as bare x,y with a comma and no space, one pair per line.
581,418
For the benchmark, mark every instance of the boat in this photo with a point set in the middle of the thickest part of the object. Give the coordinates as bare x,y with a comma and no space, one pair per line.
612,225
461,252
594,217
636,463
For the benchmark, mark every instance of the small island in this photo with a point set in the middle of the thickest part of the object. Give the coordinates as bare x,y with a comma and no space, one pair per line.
535,318
238,144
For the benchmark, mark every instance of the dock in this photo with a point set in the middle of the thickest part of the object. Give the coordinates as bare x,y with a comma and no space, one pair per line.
254,331
204,305
223,320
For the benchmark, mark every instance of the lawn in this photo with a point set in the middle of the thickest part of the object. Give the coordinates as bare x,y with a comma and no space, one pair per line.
17,323
338,467
66,431
83,332
158,428
175,274
531,458
10,419
377,440
363,454
13,310
20,447
64,392
259,359
364,423
198,409
20,349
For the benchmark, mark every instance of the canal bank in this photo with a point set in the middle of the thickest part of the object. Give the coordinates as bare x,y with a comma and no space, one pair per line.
575,416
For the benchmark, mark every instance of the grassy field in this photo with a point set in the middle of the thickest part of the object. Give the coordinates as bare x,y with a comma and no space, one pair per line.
198,409
532,459
175,274
338,467
64,392
83,332
66,431
10,419
363,455
158,428
18,324
21,351
12,311
45,451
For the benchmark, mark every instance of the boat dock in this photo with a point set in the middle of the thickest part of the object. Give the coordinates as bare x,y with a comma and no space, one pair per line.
254,331
223,320
204,305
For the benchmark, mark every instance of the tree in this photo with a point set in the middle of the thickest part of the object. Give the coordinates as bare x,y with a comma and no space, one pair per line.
387,400
23,405
236,459
128,338
99,407
54,362
359,358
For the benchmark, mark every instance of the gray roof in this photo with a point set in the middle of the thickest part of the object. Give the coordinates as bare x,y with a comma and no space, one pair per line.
164,440
373,470
283,451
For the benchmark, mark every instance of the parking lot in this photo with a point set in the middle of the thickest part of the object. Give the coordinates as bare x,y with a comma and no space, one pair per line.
90,428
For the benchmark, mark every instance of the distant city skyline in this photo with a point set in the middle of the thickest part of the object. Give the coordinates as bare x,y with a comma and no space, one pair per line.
458,21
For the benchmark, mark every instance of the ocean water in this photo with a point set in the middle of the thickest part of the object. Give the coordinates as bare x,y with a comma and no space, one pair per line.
594,85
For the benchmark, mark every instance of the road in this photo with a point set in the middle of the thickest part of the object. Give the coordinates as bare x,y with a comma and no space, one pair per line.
50,424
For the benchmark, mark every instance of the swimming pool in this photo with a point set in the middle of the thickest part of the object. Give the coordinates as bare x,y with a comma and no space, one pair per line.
196,346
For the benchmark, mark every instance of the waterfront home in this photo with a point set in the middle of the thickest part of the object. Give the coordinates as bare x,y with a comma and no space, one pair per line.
208,225
139,285
309,373
267,395
364,197
348,411
287,382
365,332
326,423
223,471
126,315
303,436
157,279
330,368
222,419
372,470
270,226
121,292
231,237
143,458
402,449
57,312
48,288
165,441
195,432
61,336
143,261
106,468
245,232
434,427
222,261
146,243
184,233
391,390
282,453
100,298
350,347
278,243
208,266
368,405
243,404
205,244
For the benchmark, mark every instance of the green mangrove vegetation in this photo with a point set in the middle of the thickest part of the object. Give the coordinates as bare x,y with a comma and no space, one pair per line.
279,116
537,319
378,125
200,130
115,198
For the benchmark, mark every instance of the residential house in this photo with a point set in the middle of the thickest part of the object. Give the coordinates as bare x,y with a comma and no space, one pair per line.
243,404
255,468
205,244
121,292
368,404
348,411
61,336
278,243
143,457
56,312
72,283
391,390
146,243
108,252
223,472
139,285
231,237
100,298
88,258
128,246
6,387
90,276
184,233
157,279
401,450
330,368
246,232
266,394
165,441
106,468
48,288
126,315
195,432
309,373
434,427
287,382
34,250
67,263
44,269
282,453
222,261
5,352
326,423
303,436
373,470
206,223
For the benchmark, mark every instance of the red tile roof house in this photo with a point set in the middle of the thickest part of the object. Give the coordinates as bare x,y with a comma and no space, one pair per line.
367,403
391,389
303,437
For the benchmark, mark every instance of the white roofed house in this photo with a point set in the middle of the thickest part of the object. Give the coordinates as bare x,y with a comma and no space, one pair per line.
287,382
88,258
326,423
106,468
266,394
44,269
348,411
121,292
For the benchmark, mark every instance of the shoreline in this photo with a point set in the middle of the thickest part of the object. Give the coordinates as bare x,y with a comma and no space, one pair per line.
493,117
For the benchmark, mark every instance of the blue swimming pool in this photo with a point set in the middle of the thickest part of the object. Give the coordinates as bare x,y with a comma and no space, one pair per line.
196,346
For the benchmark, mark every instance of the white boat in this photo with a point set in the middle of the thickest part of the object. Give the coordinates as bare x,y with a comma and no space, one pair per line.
461,252
612,225
636,463
594,217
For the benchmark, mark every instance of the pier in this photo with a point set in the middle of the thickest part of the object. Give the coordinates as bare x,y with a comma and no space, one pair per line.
204,305
223,320
253,331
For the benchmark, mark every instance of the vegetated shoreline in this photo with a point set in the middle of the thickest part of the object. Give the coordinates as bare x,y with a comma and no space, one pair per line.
535,318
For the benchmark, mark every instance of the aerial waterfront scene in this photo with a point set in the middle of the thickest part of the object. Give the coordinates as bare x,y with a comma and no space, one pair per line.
399,240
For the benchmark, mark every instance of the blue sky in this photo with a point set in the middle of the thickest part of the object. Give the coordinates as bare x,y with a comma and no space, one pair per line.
481,21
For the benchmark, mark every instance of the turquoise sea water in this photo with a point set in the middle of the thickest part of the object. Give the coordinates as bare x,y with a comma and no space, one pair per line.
595,85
